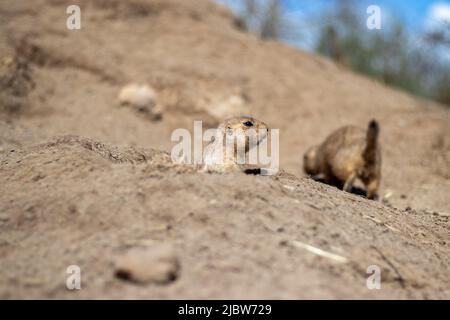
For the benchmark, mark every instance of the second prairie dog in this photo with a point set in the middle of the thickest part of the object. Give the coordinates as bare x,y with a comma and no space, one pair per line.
222,157
349,153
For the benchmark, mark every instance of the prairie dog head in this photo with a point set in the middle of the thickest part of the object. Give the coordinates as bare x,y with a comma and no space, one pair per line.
239,128
311,161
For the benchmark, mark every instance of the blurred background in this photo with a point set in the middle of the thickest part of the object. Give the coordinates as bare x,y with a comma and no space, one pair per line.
410,51
87,177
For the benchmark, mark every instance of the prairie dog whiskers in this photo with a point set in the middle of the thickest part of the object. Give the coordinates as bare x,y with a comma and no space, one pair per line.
347,154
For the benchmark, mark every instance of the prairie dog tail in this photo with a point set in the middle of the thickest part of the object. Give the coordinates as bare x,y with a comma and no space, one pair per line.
369,153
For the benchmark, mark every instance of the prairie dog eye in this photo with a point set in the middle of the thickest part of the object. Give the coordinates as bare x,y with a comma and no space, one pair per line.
248,124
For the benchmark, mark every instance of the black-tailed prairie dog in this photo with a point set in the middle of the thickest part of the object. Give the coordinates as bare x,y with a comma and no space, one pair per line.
347,154
222,153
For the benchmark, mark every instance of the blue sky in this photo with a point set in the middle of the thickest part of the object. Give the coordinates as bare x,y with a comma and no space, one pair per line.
417,14
414,12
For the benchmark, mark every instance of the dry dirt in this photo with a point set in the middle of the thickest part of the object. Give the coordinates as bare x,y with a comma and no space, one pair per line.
69,200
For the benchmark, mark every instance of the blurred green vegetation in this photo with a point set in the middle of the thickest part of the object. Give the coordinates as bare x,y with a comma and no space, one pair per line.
417,63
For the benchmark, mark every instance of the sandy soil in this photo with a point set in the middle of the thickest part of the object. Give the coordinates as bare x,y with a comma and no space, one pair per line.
86,201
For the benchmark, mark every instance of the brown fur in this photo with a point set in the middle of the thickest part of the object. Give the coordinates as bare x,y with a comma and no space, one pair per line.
347,154
223,158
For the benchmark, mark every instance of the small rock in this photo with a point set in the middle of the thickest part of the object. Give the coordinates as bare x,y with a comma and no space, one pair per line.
141,97
153,265
388,195
224,106
441,214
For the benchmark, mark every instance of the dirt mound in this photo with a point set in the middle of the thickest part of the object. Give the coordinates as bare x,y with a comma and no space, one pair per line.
72,200
243,236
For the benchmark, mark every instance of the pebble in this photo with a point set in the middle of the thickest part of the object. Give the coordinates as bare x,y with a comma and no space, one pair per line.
141,96
157,264
4,217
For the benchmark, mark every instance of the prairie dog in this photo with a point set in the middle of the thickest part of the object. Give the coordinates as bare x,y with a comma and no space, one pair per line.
221,154
347,154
